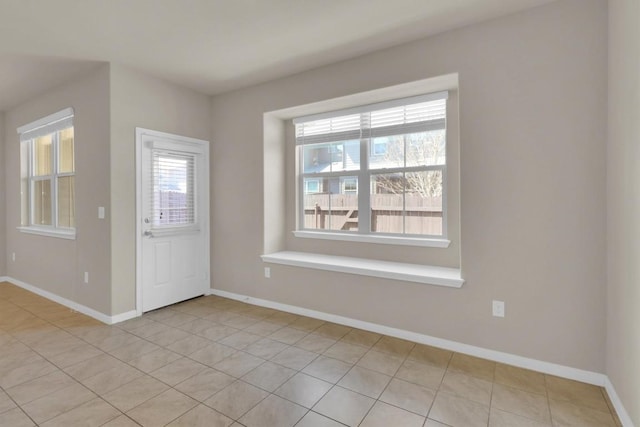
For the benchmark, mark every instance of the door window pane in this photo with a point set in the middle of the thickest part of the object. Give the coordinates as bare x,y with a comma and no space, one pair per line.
66,202
42,202
173,190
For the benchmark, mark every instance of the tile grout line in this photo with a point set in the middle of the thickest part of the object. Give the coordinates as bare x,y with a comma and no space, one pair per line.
233,308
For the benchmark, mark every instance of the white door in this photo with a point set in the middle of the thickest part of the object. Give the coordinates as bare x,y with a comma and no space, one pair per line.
173,218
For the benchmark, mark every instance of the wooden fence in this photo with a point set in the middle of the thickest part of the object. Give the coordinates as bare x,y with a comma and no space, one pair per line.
340,212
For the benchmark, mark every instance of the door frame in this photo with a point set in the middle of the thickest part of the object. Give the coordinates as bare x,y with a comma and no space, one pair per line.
203,188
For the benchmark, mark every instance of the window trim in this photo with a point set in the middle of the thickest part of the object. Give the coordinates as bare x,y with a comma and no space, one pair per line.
365,173
51,124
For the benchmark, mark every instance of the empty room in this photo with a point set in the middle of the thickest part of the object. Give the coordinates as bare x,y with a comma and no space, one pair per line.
320,213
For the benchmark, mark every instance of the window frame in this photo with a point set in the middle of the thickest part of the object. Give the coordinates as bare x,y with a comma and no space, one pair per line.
364,179
52,125
191,198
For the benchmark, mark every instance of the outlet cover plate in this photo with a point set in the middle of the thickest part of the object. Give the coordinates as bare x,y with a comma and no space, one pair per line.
498,308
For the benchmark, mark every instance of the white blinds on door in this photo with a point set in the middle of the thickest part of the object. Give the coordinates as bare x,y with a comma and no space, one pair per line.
173,193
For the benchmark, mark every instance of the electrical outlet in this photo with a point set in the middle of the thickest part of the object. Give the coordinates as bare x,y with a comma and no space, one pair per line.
86,277
13,256
498,308
267,272
100,212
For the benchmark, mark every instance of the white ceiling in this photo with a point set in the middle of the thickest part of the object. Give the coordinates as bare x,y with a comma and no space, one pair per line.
212,46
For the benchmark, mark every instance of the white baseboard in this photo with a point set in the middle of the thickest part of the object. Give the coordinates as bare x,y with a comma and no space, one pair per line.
568,372
104,318
497,356
625,419
124,316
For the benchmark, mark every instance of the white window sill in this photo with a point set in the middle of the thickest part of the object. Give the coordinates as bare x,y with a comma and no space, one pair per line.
440,276
385,240
49,232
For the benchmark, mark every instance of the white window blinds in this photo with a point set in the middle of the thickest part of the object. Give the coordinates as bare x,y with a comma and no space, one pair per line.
173,201
400,116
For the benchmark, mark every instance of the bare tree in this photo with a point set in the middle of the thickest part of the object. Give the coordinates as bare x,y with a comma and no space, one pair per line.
424,148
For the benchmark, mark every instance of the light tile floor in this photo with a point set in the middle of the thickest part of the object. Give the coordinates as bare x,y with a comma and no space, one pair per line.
217,362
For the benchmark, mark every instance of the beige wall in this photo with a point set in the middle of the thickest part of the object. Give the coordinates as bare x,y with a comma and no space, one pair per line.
3,245
52,264
138,100
623,201
532,139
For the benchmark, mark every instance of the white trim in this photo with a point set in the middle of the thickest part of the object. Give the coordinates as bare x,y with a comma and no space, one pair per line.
440,276
123,316
104,318
189,146
447,82
622,413
373,238
139,133
49,232
496,356
44,121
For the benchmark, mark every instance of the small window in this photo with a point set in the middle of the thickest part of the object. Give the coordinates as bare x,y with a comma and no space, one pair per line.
48,175
173,190
379,147
311,186
395,149
349,185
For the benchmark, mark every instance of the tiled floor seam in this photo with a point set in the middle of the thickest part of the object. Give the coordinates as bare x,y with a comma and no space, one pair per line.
233,310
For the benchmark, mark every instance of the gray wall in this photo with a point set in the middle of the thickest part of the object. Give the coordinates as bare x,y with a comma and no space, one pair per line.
623,202
3,244
53,264
532,139
138,100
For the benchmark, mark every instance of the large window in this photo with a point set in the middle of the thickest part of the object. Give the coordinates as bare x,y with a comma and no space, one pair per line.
48,175
377,170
